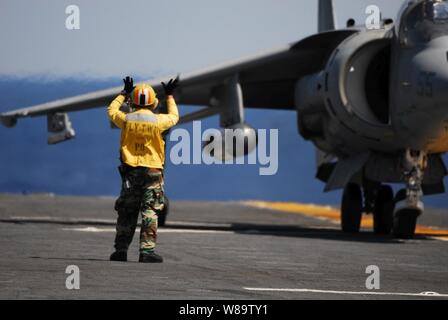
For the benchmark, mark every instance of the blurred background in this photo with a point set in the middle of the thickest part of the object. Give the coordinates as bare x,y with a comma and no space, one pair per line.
41,61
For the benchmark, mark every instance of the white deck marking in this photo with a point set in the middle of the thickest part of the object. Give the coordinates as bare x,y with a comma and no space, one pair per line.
164,230
376,293
90,229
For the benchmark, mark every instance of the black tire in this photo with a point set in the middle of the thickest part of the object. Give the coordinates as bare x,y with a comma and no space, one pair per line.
405,222
163,215
384,211
351,208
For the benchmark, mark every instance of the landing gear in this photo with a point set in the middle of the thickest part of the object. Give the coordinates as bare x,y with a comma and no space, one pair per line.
351,208
162,216
390,214
383,210
408,209
405,221
397,215
377,199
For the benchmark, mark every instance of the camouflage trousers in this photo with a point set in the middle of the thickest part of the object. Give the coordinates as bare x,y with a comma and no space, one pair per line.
141,194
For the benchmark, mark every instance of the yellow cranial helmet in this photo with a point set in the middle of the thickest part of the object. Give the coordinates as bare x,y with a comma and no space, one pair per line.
144,95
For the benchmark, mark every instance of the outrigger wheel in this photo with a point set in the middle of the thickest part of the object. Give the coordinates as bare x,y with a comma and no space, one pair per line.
405,219
351,208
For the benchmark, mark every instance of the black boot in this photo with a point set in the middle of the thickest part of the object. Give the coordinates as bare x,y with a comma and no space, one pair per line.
151,257
119,256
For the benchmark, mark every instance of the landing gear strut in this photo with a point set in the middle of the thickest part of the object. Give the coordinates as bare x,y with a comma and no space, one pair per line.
408,210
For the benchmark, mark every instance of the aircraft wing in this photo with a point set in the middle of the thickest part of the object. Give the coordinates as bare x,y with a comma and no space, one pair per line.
267,81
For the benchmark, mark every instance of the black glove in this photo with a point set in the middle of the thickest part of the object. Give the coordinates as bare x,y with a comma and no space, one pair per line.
128,86
170,86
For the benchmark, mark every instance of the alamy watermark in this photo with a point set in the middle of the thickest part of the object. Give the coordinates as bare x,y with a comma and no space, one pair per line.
373,280
373,21
73,281
73,20
227,146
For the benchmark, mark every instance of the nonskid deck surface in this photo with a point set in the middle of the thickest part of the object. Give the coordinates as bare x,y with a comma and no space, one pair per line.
213,250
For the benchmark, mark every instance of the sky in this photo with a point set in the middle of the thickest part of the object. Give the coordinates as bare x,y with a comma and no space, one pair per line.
41,61
153,38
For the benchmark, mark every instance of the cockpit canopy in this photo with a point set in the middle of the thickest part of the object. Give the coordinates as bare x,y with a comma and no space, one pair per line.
422,20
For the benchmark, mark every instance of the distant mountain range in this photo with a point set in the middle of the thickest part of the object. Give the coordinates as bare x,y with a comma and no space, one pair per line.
88,164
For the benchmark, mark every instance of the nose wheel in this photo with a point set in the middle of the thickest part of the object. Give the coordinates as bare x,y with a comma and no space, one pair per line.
408,202
405,218
405,222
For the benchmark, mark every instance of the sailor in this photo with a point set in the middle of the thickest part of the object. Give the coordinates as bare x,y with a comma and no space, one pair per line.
142,154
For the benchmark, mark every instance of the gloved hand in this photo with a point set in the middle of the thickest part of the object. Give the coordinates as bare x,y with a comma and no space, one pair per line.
170,86
128,86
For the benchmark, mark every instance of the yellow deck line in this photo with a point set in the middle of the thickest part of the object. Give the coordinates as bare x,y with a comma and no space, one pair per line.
333,215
